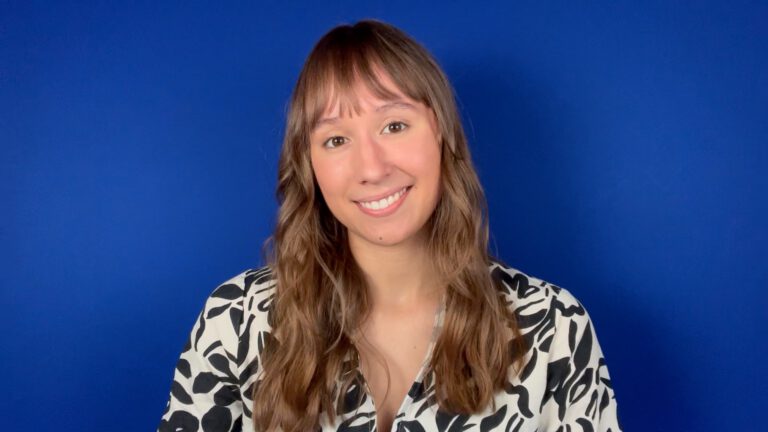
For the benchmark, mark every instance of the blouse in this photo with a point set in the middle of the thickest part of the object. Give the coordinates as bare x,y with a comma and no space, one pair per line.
563,386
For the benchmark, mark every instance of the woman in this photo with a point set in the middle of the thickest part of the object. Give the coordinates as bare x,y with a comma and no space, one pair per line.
381,308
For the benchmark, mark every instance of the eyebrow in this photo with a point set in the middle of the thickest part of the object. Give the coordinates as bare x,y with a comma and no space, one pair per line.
387,106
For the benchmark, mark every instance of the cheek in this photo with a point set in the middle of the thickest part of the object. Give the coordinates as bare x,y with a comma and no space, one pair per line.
431,171
426,162
330,178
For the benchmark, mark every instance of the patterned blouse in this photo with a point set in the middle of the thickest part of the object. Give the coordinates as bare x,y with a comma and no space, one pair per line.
564,385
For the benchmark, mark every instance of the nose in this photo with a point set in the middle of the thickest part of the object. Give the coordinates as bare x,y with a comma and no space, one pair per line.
371,161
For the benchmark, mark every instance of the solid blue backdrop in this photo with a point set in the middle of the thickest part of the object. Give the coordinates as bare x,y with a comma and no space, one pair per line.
622,147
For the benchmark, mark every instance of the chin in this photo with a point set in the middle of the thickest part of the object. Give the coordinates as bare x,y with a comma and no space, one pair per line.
386,238
383,241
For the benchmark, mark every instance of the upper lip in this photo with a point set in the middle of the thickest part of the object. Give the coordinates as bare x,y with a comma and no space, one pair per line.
382,195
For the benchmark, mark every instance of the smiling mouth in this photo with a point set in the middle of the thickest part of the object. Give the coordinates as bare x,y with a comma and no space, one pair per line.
385,202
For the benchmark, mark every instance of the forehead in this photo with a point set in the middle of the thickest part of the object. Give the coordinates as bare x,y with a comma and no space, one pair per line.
341,100
361,99
336,98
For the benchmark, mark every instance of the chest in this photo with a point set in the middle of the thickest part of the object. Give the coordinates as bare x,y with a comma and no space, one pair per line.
392,356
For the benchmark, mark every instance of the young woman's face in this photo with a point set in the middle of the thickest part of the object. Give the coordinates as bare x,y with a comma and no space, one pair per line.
379,169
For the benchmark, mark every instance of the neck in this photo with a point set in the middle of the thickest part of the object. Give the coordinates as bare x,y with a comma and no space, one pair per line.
397,276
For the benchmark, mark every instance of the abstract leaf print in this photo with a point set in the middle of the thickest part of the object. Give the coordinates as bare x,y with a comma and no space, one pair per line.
564,383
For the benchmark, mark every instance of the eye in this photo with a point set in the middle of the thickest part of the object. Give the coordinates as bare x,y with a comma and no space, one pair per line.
394,127
334,142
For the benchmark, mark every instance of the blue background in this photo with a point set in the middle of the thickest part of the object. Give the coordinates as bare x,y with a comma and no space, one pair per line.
622,145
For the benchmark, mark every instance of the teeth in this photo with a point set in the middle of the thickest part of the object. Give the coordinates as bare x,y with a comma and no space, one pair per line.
384,202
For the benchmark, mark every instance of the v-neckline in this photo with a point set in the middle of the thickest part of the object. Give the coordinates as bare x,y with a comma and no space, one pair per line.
437,325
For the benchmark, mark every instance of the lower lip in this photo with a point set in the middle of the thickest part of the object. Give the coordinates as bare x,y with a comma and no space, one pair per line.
386,211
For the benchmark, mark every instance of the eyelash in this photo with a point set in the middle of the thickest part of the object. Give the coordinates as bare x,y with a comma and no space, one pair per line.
403,127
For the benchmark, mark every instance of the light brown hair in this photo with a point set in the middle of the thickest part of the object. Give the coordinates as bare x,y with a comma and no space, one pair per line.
321,297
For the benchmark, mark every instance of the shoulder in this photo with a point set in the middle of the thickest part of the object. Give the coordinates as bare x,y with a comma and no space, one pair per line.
240,292
544,311
244,285
525,290
564,364
252,285
248,292
215,370
233,308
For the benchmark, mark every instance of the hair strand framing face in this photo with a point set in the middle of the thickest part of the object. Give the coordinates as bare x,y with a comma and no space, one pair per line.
321,297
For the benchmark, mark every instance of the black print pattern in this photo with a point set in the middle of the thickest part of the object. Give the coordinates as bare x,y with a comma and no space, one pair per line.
563,387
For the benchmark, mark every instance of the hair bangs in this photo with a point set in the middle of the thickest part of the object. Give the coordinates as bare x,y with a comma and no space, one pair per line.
339,65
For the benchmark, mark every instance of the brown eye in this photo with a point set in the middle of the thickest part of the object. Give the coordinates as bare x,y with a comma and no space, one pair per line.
334,142
395,127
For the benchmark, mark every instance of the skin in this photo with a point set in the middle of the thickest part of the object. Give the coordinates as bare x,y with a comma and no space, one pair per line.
358,156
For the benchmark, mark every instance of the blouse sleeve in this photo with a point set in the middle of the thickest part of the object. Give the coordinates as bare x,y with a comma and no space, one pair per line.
579,394
205,395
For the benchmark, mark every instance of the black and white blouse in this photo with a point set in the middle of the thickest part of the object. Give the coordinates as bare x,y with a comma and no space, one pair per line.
564,385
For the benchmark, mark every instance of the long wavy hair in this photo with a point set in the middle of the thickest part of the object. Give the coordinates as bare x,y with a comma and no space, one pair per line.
321,297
